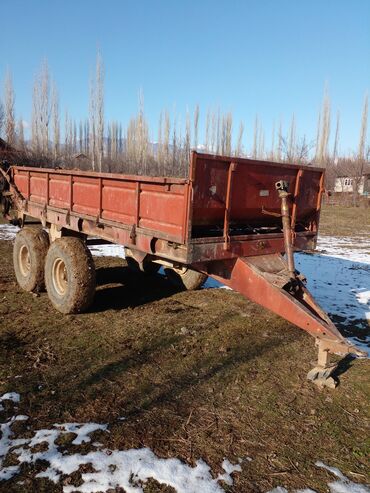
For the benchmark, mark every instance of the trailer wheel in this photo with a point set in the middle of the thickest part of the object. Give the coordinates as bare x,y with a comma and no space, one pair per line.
29,252
185,278
70,275
146,266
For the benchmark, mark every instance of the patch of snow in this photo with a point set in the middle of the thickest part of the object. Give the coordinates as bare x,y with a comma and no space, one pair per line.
128,469
107,250
355,248
229,469
10,396
363,297
81,430
8,231
341,287
342,485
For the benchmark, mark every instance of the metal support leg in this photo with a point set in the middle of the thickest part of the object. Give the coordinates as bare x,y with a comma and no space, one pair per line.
321,375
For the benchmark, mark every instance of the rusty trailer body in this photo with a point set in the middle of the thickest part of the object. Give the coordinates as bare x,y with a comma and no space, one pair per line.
232,219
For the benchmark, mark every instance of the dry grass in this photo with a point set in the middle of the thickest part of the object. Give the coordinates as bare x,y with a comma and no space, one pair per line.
344,221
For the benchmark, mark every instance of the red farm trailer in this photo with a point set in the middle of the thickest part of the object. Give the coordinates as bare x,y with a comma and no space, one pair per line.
237,220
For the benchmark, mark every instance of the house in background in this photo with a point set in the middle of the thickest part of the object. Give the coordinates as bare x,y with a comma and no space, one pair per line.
346,184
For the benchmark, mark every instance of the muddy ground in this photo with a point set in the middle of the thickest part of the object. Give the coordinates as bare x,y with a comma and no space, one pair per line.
204,374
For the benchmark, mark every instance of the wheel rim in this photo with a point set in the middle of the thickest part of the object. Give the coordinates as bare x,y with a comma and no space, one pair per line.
24,260
60,279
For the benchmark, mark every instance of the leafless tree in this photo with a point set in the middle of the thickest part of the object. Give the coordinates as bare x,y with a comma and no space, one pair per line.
9,108
261,143
137,141
55,120
2,117
41,110
196,125
324,130
292,140
207,132
239,147
99,108
255,138
336,138
272,152
20,135
187,143
279,142
80,137
360,161
96,111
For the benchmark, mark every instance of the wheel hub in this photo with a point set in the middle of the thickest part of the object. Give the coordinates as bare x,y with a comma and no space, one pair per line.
24,260
59,276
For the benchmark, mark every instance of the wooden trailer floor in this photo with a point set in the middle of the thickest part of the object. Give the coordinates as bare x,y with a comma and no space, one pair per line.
202,374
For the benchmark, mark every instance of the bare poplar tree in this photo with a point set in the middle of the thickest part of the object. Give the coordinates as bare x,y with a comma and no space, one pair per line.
261,143
318,132
175,162
228,125
9,108
196,125
187,136
279,142
272,152
20,134
207,135
86,136
99,108
359,163
218,133
80,137
67,135
336,138
292,141
2,117
214,133
55,120
324,130
239,147
255,138
41,110
92,125
166,139
363,129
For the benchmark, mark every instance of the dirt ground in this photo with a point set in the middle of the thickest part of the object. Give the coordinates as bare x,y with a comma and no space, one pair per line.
204,374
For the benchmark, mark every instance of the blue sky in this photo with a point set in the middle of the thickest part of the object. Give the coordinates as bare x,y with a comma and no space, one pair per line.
270,58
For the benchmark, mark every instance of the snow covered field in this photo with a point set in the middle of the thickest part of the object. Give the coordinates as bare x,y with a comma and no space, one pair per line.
338,276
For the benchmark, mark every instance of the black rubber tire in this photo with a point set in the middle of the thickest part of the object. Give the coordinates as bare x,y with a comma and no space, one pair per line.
146,267
185,278
29,252
70,275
